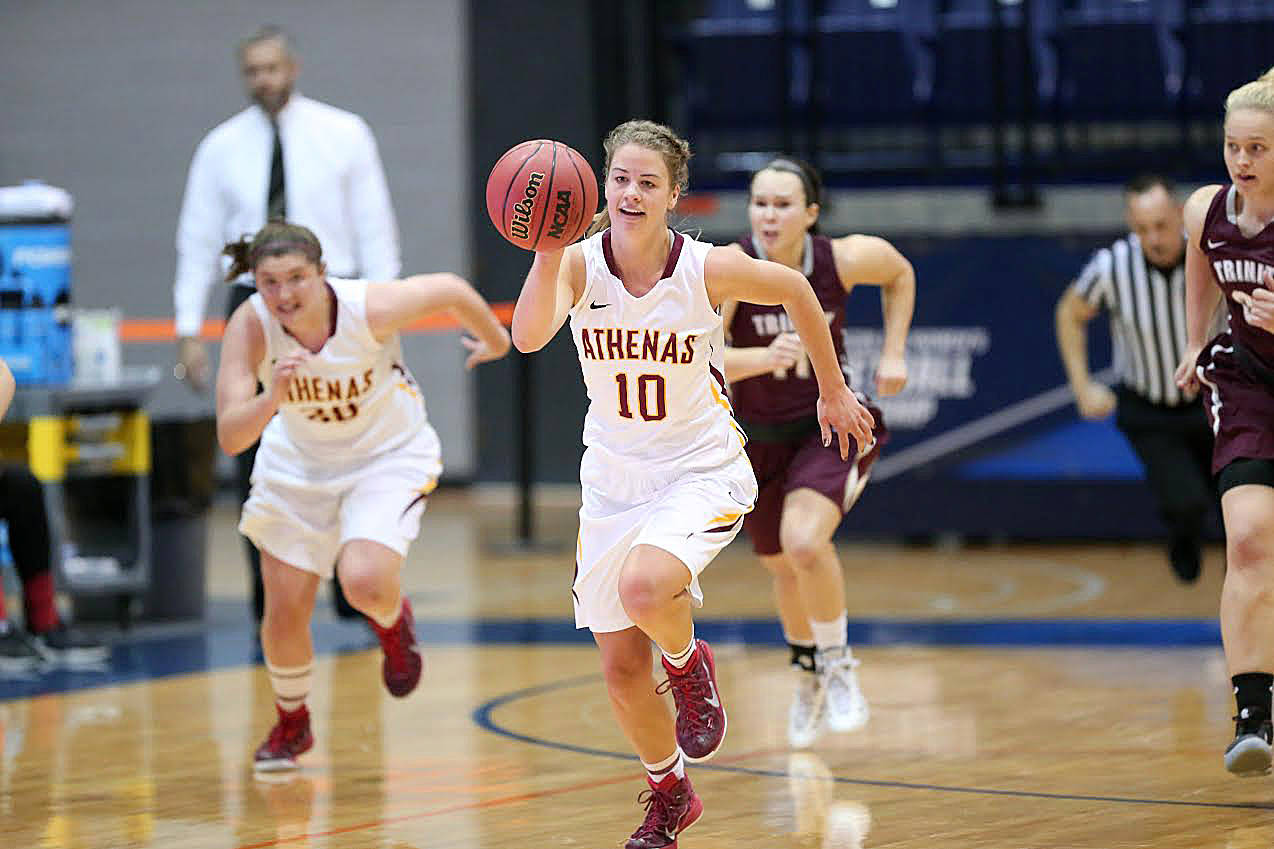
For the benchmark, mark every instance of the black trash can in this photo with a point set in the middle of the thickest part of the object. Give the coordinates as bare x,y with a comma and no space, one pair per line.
182,480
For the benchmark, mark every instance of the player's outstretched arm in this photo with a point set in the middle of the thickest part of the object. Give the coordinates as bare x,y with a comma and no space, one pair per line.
392,306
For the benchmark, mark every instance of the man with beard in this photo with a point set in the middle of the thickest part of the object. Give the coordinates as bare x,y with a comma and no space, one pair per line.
284,156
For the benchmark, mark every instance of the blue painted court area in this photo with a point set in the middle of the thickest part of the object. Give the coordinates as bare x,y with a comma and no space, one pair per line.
144,655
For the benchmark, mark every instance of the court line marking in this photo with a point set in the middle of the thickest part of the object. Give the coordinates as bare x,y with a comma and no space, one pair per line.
482,718
1088,587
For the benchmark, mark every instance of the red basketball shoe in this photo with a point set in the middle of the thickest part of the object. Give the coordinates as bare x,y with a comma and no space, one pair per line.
402,664
672,806
289,739
700,716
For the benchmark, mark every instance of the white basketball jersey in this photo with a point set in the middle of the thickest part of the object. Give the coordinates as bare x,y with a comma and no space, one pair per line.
654,370
354,397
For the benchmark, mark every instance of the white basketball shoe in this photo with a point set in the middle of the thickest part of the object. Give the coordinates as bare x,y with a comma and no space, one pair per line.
846,707
805,714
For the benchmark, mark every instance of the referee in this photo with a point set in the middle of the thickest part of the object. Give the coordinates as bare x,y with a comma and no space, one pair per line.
1140,281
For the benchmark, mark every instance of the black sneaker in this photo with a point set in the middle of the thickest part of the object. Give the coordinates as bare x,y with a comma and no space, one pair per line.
17,654
1185,555
66,647
1249,754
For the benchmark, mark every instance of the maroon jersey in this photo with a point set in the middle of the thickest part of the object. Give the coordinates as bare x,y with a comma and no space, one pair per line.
1238,264
793,393
1235,368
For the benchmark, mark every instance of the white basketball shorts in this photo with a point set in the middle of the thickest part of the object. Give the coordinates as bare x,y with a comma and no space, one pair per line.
303,511
692,518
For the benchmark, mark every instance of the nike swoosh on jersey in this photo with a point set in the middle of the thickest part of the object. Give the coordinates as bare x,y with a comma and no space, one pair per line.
596,306
1214,245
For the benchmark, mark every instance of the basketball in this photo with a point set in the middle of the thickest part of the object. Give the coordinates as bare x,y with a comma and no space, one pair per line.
541,195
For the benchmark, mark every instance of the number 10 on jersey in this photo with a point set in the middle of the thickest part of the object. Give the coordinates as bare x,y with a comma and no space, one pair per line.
652,402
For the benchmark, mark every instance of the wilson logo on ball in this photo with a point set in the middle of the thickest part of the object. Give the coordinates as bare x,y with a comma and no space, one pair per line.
521,223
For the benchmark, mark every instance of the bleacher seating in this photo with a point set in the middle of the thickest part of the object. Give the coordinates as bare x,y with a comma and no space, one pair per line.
873,61
741,71
1227,43
1104,84
964,77
1119,59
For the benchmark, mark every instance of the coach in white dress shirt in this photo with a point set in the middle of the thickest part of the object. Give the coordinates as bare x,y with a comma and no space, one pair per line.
319,168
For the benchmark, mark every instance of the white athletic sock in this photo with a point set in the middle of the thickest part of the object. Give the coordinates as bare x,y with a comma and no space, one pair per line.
681,658
831,635
673,763
291,684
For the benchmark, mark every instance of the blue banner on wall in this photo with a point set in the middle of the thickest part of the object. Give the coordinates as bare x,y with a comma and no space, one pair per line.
986,441
986,394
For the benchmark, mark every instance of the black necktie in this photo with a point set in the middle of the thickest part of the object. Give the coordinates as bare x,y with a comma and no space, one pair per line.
276,205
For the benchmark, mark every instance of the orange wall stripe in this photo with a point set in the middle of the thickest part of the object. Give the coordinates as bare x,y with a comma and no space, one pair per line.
142,330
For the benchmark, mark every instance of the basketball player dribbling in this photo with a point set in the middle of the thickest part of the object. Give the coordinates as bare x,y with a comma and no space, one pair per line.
806,488
1230,254
347,454
665,480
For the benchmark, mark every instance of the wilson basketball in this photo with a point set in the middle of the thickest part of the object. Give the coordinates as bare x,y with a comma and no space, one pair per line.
541,195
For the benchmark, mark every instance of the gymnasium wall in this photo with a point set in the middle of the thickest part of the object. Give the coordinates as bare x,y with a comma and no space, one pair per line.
109,99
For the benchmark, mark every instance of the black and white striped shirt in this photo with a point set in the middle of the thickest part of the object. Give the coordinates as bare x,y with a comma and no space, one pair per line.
1147,316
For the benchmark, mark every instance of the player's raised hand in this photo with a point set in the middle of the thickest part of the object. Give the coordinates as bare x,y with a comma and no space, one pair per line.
285,369
1258,305
784,352
841,412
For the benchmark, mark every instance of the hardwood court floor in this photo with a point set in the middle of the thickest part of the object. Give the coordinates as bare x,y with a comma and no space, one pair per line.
512,745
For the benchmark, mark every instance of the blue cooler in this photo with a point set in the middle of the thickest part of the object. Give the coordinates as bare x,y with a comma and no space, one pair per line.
35,293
